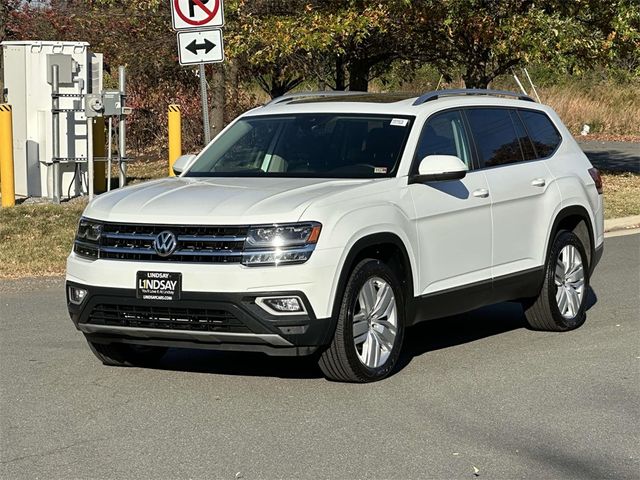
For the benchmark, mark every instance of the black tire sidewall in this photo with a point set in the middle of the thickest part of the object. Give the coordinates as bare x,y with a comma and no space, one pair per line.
563,239
361,273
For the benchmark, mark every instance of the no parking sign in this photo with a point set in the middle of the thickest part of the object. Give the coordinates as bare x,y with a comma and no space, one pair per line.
196,14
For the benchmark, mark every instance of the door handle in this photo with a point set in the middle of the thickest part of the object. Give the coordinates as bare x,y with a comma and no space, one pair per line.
481,193
538,182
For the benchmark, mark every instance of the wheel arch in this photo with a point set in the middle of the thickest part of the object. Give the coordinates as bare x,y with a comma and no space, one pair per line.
576,219
385,246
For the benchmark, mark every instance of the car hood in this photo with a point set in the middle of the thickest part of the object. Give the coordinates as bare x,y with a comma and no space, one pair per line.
231,201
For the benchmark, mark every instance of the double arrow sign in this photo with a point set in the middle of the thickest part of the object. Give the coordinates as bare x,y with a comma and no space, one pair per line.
202,46
194,47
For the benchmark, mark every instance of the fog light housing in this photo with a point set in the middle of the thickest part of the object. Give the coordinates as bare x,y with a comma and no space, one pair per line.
281,305
77,295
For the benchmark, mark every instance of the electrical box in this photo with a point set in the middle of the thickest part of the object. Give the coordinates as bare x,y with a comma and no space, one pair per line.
27,78
112,103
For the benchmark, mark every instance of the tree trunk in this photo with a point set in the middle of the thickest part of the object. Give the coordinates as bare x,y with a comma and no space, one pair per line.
234,81
340,76
358,76
218,100
474,78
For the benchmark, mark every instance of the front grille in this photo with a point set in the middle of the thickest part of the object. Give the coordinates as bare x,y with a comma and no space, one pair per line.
202,244
167,318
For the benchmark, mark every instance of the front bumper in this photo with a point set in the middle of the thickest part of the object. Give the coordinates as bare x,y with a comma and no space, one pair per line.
219,321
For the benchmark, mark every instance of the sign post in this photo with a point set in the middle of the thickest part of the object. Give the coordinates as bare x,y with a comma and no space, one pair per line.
199,41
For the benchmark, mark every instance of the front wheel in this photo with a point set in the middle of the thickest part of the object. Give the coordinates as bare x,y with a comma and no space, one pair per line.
368,337
561,304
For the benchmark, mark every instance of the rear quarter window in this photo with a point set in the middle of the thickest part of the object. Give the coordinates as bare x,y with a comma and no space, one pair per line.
542,131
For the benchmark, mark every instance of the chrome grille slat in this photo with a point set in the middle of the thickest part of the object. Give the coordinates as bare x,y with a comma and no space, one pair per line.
207,244
222,238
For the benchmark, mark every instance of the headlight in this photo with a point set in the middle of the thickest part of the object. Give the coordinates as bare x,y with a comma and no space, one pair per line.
280,244
87,238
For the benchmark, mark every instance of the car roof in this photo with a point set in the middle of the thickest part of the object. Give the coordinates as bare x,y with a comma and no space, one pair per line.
400,104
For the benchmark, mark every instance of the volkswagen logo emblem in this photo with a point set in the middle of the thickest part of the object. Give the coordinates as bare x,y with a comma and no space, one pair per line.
165,243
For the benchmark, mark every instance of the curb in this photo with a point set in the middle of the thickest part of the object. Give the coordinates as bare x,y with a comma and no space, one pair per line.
623,223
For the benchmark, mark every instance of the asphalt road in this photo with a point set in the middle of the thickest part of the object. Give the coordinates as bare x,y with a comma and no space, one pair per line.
478,391
613,156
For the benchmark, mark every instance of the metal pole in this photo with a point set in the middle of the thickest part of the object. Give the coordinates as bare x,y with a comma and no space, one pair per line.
122,131
109,155
90,169
518,82
7,179
533,87
205,105
55,90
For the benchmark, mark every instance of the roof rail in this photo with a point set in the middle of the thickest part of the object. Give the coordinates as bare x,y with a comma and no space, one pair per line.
434,95
318,94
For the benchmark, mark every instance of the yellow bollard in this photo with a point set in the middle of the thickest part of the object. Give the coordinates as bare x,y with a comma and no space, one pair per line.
99,150
7,180
175,136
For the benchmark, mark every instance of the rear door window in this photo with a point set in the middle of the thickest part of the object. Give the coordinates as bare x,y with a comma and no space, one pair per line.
495,136
542,131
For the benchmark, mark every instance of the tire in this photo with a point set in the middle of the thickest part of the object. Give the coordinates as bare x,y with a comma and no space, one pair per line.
126,355
554,310
370,352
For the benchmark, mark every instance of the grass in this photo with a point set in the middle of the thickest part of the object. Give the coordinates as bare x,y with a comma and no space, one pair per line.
36,239
621,194
608,109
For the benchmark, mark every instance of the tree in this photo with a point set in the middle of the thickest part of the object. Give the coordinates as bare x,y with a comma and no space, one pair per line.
483,39
340,43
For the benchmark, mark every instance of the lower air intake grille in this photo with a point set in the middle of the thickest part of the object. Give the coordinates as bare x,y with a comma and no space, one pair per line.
167,318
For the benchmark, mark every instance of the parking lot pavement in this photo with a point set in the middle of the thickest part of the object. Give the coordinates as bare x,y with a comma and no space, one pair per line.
477,391
613,156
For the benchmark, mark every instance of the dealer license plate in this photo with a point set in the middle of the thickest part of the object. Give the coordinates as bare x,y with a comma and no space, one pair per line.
158,285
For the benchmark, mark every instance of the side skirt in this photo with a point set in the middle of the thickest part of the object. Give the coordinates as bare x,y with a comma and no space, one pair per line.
457,300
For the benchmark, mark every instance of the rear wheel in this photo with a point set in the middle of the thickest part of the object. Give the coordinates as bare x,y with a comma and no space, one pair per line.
127,355
561,304
368,337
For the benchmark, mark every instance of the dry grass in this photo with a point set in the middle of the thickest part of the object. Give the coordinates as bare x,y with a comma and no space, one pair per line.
35,240
621,194
607,109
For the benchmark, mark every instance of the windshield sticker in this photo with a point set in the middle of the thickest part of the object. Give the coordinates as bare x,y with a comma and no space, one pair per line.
379,169
399,122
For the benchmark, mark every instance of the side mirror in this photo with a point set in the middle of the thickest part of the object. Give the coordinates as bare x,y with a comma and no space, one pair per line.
182,163
438,168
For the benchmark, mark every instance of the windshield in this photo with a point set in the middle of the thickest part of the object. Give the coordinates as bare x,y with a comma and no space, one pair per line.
307,145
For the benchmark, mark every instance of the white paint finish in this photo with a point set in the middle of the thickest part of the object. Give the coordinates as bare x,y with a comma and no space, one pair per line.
522,212
216,201
204,46
454,232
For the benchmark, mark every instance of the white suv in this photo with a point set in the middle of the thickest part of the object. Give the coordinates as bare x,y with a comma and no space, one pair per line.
327,224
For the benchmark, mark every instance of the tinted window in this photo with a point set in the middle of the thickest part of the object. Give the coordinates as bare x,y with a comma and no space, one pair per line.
526,146
444,134
542,131
307,145
495,135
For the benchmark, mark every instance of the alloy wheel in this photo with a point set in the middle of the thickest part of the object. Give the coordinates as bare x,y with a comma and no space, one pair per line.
570,281
375,322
